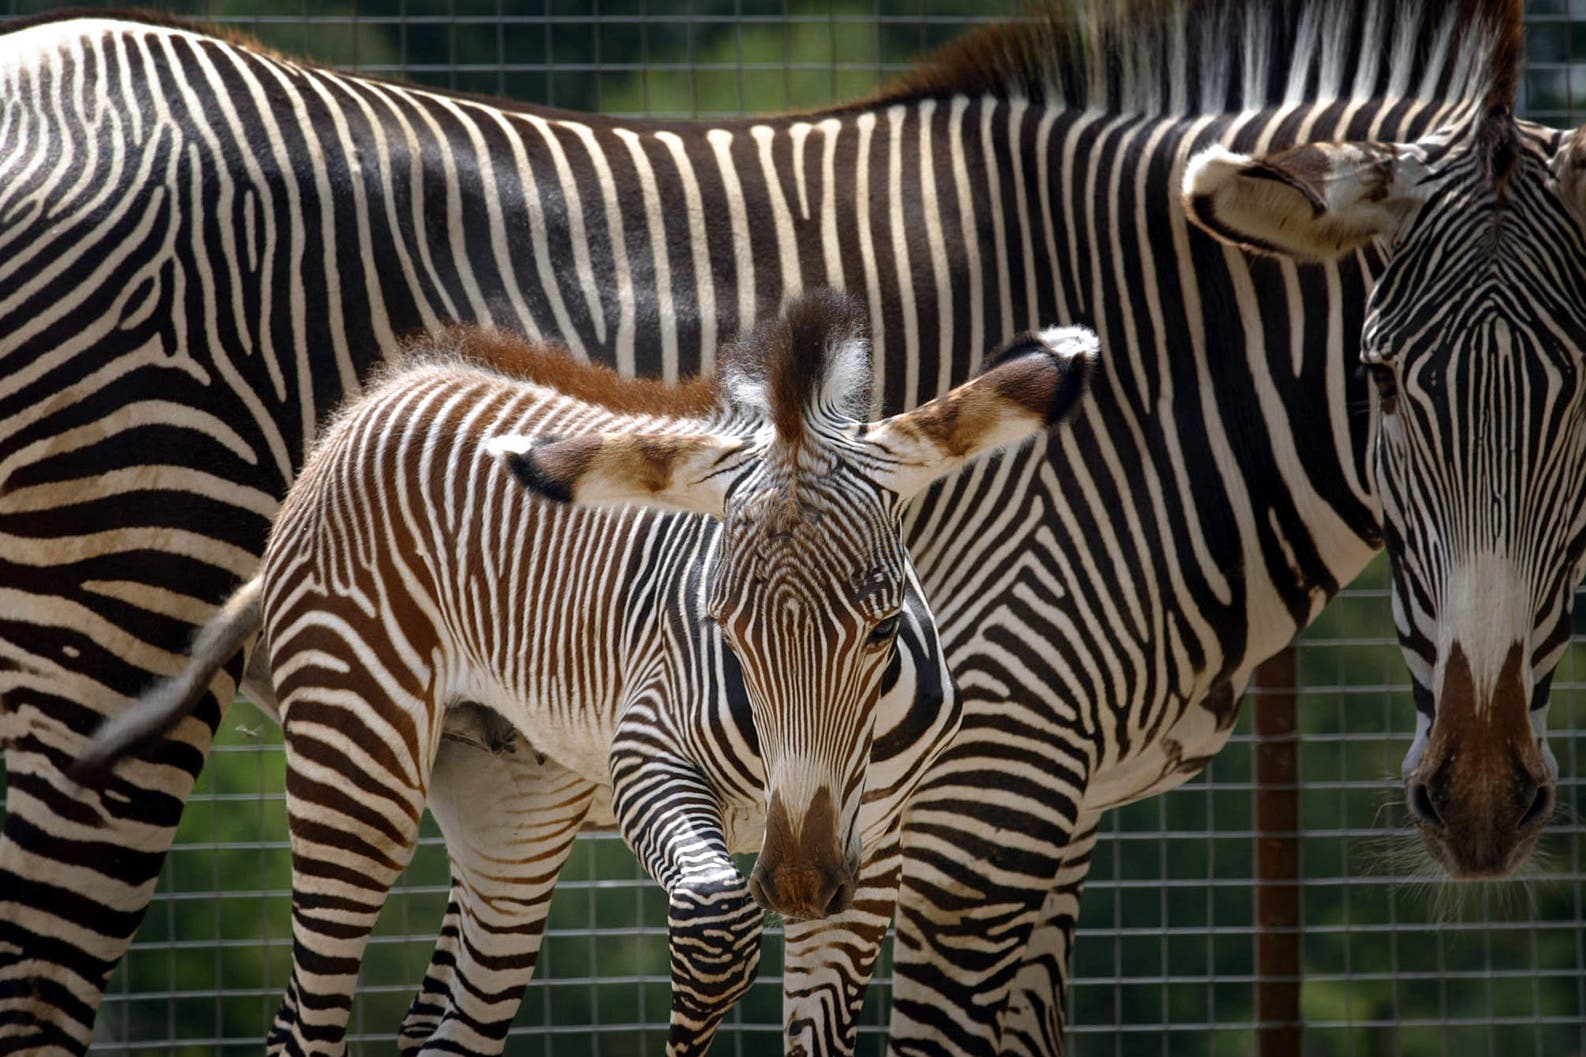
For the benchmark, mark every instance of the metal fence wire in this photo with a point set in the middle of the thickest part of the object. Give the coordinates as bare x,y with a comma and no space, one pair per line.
1393,961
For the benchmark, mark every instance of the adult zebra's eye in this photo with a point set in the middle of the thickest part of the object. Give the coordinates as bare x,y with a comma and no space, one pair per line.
1387,385
884,630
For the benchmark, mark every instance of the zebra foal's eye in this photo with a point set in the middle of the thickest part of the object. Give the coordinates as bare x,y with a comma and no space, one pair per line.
884,630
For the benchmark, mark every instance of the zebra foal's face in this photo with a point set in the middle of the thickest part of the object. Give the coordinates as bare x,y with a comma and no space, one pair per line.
808,578
1473,340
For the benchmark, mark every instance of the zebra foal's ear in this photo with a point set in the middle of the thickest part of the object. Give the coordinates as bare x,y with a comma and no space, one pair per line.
1312,202
687,472
1033,382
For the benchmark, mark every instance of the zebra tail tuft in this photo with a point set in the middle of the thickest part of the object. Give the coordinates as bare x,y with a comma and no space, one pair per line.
168,702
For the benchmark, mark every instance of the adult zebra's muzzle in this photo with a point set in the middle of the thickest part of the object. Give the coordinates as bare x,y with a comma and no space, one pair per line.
805,870
1482,790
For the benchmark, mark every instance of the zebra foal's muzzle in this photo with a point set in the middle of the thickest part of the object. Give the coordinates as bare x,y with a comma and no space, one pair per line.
805,870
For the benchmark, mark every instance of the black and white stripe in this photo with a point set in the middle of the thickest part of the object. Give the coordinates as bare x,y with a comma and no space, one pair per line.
1102,597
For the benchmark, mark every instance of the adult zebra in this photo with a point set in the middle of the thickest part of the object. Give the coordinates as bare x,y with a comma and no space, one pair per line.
180,214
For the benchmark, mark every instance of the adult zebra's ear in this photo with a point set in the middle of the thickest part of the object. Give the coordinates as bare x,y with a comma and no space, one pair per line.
1033,382
678,473
1312,202
1568,167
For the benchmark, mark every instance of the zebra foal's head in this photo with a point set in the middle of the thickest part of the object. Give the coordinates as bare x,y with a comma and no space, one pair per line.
809,576
1474,338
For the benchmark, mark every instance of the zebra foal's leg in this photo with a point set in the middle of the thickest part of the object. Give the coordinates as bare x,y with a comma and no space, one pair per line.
1033,1023
509,822
672,818
353,804
827,964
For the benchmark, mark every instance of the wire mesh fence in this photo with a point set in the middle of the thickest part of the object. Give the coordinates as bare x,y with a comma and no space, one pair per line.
1393,962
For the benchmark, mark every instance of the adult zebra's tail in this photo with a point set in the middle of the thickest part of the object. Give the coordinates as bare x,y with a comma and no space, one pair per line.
164,705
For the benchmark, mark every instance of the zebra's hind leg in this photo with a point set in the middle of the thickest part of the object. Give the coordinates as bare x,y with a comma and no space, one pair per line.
78,866
509,821
672,818
1033,1024
827,964
353,806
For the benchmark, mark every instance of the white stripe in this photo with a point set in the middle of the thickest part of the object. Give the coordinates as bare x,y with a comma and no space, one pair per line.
968,231
577,234
619,247
787,246
704,284
900,254
799,133
720,141
866,124
830,128
659,254
937,251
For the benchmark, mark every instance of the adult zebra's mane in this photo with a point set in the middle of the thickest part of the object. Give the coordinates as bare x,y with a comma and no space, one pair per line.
1153,57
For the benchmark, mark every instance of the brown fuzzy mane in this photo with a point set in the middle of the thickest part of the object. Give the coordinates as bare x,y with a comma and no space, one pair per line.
786,360
550,365
1154,56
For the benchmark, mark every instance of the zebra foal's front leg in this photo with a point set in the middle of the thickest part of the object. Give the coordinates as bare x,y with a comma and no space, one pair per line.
509,820
672,818
828,964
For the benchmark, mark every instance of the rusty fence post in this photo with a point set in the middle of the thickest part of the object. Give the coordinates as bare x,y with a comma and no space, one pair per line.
1278,942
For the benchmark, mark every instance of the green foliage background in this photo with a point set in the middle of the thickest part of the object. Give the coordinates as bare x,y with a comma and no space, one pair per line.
1394,962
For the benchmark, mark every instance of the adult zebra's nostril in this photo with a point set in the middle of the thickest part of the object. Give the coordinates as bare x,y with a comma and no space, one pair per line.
1541,807
1421,806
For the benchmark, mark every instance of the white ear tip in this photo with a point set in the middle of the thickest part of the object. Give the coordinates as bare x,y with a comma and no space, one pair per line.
512,444
1209,168
1072,342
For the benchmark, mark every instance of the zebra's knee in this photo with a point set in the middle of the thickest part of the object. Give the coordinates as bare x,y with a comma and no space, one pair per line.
714,927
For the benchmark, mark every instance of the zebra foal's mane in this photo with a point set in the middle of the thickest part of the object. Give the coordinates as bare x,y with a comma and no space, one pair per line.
808,362
550,365
1152,57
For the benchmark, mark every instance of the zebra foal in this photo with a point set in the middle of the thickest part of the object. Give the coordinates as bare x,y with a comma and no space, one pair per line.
717,678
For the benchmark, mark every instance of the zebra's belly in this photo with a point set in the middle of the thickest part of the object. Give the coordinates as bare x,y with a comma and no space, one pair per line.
576,738
1174,755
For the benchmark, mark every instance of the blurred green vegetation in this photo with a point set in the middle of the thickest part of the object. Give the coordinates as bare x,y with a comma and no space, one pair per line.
1394,962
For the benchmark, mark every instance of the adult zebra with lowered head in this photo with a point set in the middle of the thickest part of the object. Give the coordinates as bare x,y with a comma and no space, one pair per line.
1102,596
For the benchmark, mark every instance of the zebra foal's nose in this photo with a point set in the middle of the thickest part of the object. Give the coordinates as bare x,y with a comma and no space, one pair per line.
803,871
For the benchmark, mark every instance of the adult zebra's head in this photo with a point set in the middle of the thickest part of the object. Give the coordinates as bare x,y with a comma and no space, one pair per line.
1474,339
809,578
